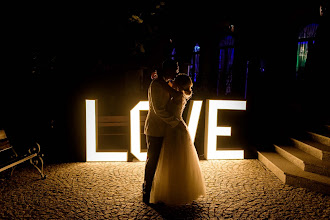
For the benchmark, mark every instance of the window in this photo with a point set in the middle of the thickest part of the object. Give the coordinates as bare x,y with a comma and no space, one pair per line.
305,41
226,60
173,53
193,69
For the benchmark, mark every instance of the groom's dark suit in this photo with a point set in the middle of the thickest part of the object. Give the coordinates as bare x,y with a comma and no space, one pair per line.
155,125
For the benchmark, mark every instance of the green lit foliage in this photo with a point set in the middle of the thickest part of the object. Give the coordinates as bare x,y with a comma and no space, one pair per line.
143,25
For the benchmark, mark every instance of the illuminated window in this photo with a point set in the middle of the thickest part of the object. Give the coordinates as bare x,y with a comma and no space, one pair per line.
226,60
171,50
194,67
305,41
173,54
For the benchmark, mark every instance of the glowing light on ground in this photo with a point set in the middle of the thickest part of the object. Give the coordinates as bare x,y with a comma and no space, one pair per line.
136,130
212,130
91,137
193,117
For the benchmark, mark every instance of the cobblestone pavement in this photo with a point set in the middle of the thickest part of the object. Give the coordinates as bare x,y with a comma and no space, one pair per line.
236,189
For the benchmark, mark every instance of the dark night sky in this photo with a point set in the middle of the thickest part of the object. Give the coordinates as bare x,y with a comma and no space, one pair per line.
87,31
83,23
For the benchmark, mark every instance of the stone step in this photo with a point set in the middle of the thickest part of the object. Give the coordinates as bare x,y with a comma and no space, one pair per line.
303,160
290,174
321,138
316,149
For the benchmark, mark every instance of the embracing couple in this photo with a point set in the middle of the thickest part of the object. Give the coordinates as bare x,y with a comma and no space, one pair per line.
172,172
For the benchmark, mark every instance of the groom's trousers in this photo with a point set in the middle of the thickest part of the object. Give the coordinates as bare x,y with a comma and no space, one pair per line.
154,145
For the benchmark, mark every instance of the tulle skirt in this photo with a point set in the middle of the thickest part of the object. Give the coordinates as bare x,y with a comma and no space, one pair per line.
178,178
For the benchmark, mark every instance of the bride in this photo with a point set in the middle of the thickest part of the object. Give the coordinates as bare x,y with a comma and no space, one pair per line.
178,179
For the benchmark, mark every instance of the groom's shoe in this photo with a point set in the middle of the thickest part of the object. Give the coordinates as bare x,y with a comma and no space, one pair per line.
145,195
146,198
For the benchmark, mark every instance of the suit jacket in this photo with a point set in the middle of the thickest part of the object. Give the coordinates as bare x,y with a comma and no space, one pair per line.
158,116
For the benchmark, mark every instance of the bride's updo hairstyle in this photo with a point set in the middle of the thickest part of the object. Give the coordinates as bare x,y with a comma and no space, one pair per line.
184,83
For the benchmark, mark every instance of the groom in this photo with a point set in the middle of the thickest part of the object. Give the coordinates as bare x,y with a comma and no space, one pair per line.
157,119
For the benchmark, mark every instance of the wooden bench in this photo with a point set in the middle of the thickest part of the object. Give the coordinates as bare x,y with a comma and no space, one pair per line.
10,159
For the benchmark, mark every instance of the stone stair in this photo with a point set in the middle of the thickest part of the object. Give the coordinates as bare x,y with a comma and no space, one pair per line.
302,160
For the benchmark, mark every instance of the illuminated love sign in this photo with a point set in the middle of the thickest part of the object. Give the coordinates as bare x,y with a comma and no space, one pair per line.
135,130
211,130
91,137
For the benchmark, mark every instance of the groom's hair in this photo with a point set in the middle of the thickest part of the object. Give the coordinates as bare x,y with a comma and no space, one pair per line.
168,64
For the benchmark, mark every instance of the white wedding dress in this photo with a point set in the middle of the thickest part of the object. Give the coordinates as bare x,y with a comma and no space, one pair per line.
178,178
